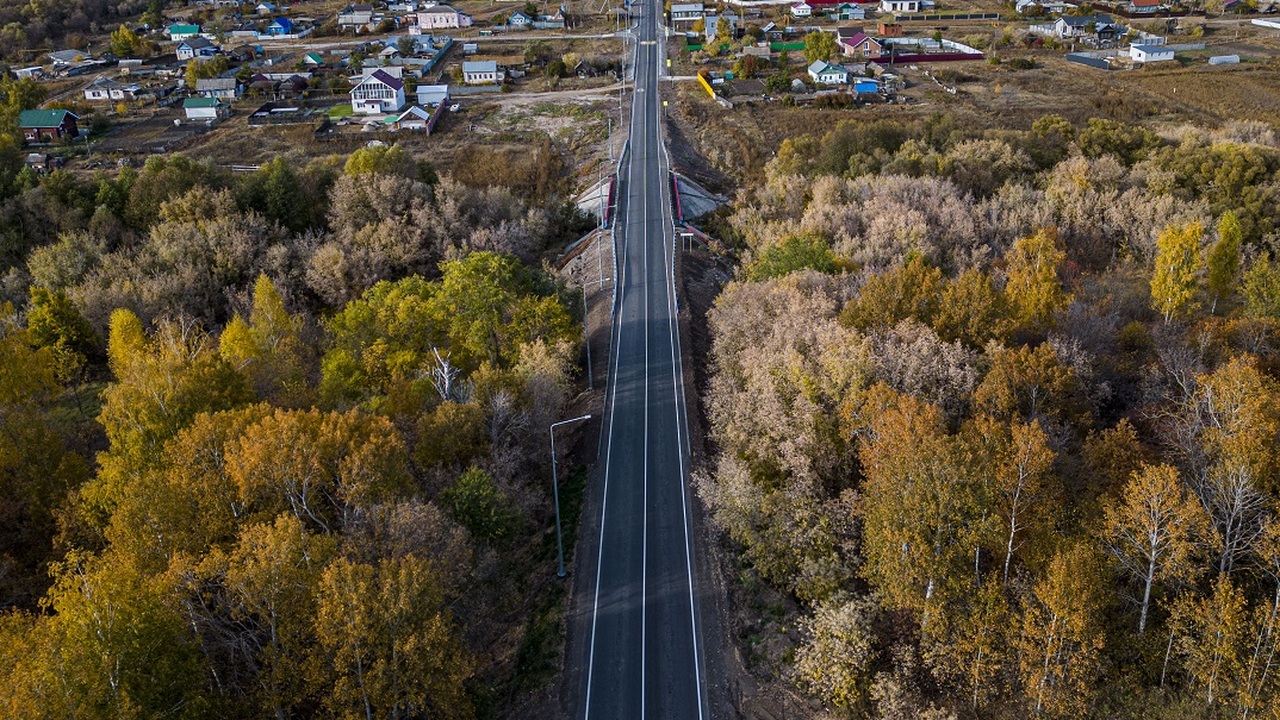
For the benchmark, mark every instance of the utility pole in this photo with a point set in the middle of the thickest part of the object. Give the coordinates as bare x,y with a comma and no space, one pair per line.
555,489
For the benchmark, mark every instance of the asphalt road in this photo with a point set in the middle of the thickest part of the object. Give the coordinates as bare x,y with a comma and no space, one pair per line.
641,652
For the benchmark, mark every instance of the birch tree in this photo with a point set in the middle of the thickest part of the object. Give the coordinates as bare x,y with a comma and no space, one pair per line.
1152,531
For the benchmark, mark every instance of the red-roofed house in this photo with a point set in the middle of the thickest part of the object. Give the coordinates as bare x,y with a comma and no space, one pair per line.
377,94
1145,7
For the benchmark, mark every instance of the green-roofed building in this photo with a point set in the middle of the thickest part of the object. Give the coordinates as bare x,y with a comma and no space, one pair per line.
48,125
180,31
204,108
313,58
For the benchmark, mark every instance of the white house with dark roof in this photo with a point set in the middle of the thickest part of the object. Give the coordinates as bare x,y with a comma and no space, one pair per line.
355,16
105,89
222,88
377,94
196,47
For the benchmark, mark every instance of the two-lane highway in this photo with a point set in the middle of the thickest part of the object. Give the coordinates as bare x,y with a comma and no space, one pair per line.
642,654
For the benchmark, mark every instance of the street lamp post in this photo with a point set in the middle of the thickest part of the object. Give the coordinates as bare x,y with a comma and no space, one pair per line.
555,490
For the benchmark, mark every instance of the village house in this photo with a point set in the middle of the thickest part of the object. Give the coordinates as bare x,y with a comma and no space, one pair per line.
222,88
377,94
1150,53
106,90
824,73
415,119
196,47
855,43
1145,7
182,31
48,125
433,95
481,72
686,13
201,108
1075,27
802,10
900,6
847,11
441,16
519,21
353,17
713,25
280,26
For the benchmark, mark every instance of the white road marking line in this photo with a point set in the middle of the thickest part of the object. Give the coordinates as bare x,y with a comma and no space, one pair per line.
613,404
677,388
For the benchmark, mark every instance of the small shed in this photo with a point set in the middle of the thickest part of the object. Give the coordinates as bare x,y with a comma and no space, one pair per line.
1150,53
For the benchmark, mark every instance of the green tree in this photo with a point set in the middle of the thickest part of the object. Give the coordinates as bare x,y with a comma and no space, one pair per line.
1262,288
1173,283
476,502
385,159
270,350
798,252
910,290
1223,262
124,42
970,310
203,69
491,305
819,45
1034,290
54,322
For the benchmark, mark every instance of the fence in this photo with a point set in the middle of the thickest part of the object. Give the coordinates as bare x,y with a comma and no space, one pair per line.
948,16
1090,60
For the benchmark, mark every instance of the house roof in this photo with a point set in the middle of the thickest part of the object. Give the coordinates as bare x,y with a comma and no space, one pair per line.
383,78
283,22
1152,49
196,43
846,33
1082,20
199,102
44,118
103,82
433,93
313,58
183,29
1146,3
480,66
219,83
415,111
818,67
686,7
67,56
440,10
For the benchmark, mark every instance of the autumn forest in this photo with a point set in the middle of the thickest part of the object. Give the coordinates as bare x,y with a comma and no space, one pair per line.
996,416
